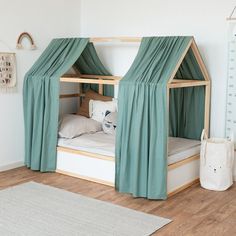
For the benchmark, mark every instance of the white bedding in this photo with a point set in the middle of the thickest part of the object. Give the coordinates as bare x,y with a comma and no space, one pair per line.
104,144
182,148
98,142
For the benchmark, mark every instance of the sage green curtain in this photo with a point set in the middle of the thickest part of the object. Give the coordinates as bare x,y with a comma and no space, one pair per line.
89,63
41,101
187,112
187,104
41,96
142,131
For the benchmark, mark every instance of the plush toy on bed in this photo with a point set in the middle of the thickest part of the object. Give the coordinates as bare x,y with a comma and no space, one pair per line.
109,122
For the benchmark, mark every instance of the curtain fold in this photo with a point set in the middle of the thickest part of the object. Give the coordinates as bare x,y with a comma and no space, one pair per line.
187,110
89,63
187,104
41,96
41,101
141,138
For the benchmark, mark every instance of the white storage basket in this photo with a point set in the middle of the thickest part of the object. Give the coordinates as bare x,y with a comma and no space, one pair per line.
216,163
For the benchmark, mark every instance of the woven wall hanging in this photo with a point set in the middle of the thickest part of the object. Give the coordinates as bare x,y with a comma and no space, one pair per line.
7,68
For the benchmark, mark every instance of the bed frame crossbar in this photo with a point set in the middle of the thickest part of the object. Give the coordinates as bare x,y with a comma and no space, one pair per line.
115,40
91,79
187,83
114,80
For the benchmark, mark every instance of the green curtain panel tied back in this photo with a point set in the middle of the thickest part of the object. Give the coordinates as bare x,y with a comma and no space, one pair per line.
41,97
142,131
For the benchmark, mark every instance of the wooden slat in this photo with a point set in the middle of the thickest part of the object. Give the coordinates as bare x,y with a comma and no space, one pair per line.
168,118
100,89
231,18
9,52
183,162
191,83
88,154
200,61
107,80
88,81
72,95
115,39
193,182
177,190
70,76
109,158
207,108
99,181
109,77
188,84
175,84
182,80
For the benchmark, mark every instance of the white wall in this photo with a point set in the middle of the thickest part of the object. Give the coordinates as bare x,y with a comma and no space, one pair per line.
45,20
204,19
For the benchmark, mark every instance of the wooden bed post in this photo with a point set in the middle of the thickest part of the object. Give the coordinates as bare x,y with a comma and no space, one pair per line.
168,120
207,86
100,89
207,108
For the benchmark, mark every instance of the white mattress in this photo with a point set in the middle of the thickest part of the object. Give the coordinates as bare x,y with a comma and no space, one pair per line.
104,144
182,148
98,142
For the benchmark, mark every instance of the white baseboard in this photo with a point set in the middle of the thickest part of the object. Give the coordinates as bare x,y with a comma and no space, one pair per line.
11,166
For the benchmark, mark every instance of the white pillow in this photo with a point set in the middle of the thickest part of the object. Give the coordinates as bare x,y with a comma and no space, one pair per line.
109,123
72,126
97,109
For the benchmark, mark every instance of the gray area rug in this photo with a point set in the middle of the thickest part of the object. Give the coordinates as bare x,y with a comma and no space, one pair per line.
34,209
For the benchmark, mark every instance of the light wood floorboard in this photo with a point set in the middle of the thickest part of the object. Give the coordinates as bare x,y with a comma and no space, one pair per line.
194,211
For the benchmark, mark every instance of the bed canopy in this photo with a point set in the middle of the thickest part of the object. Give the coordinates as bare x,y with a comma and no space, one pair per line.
41,96
143,113
165,69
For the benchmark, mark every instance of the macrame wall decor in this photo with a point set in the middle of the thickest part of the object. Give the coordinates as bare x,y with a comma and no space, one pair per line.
29,37
7,69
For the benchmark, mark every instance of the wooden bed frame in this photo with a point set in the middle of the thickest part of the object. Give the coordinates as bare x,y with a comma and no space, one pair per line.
76,163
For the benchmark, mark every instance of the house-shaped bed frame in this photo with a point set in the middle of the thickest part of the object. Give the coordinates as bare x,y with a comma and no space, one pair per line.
101,169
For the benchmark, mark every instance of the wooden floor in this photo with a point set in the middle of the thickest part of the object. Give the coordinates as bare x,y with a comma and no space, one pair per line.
194,211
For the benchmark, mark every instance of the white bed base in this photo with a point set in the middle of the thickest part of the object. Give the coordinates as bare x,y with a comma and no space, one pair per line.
101,169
